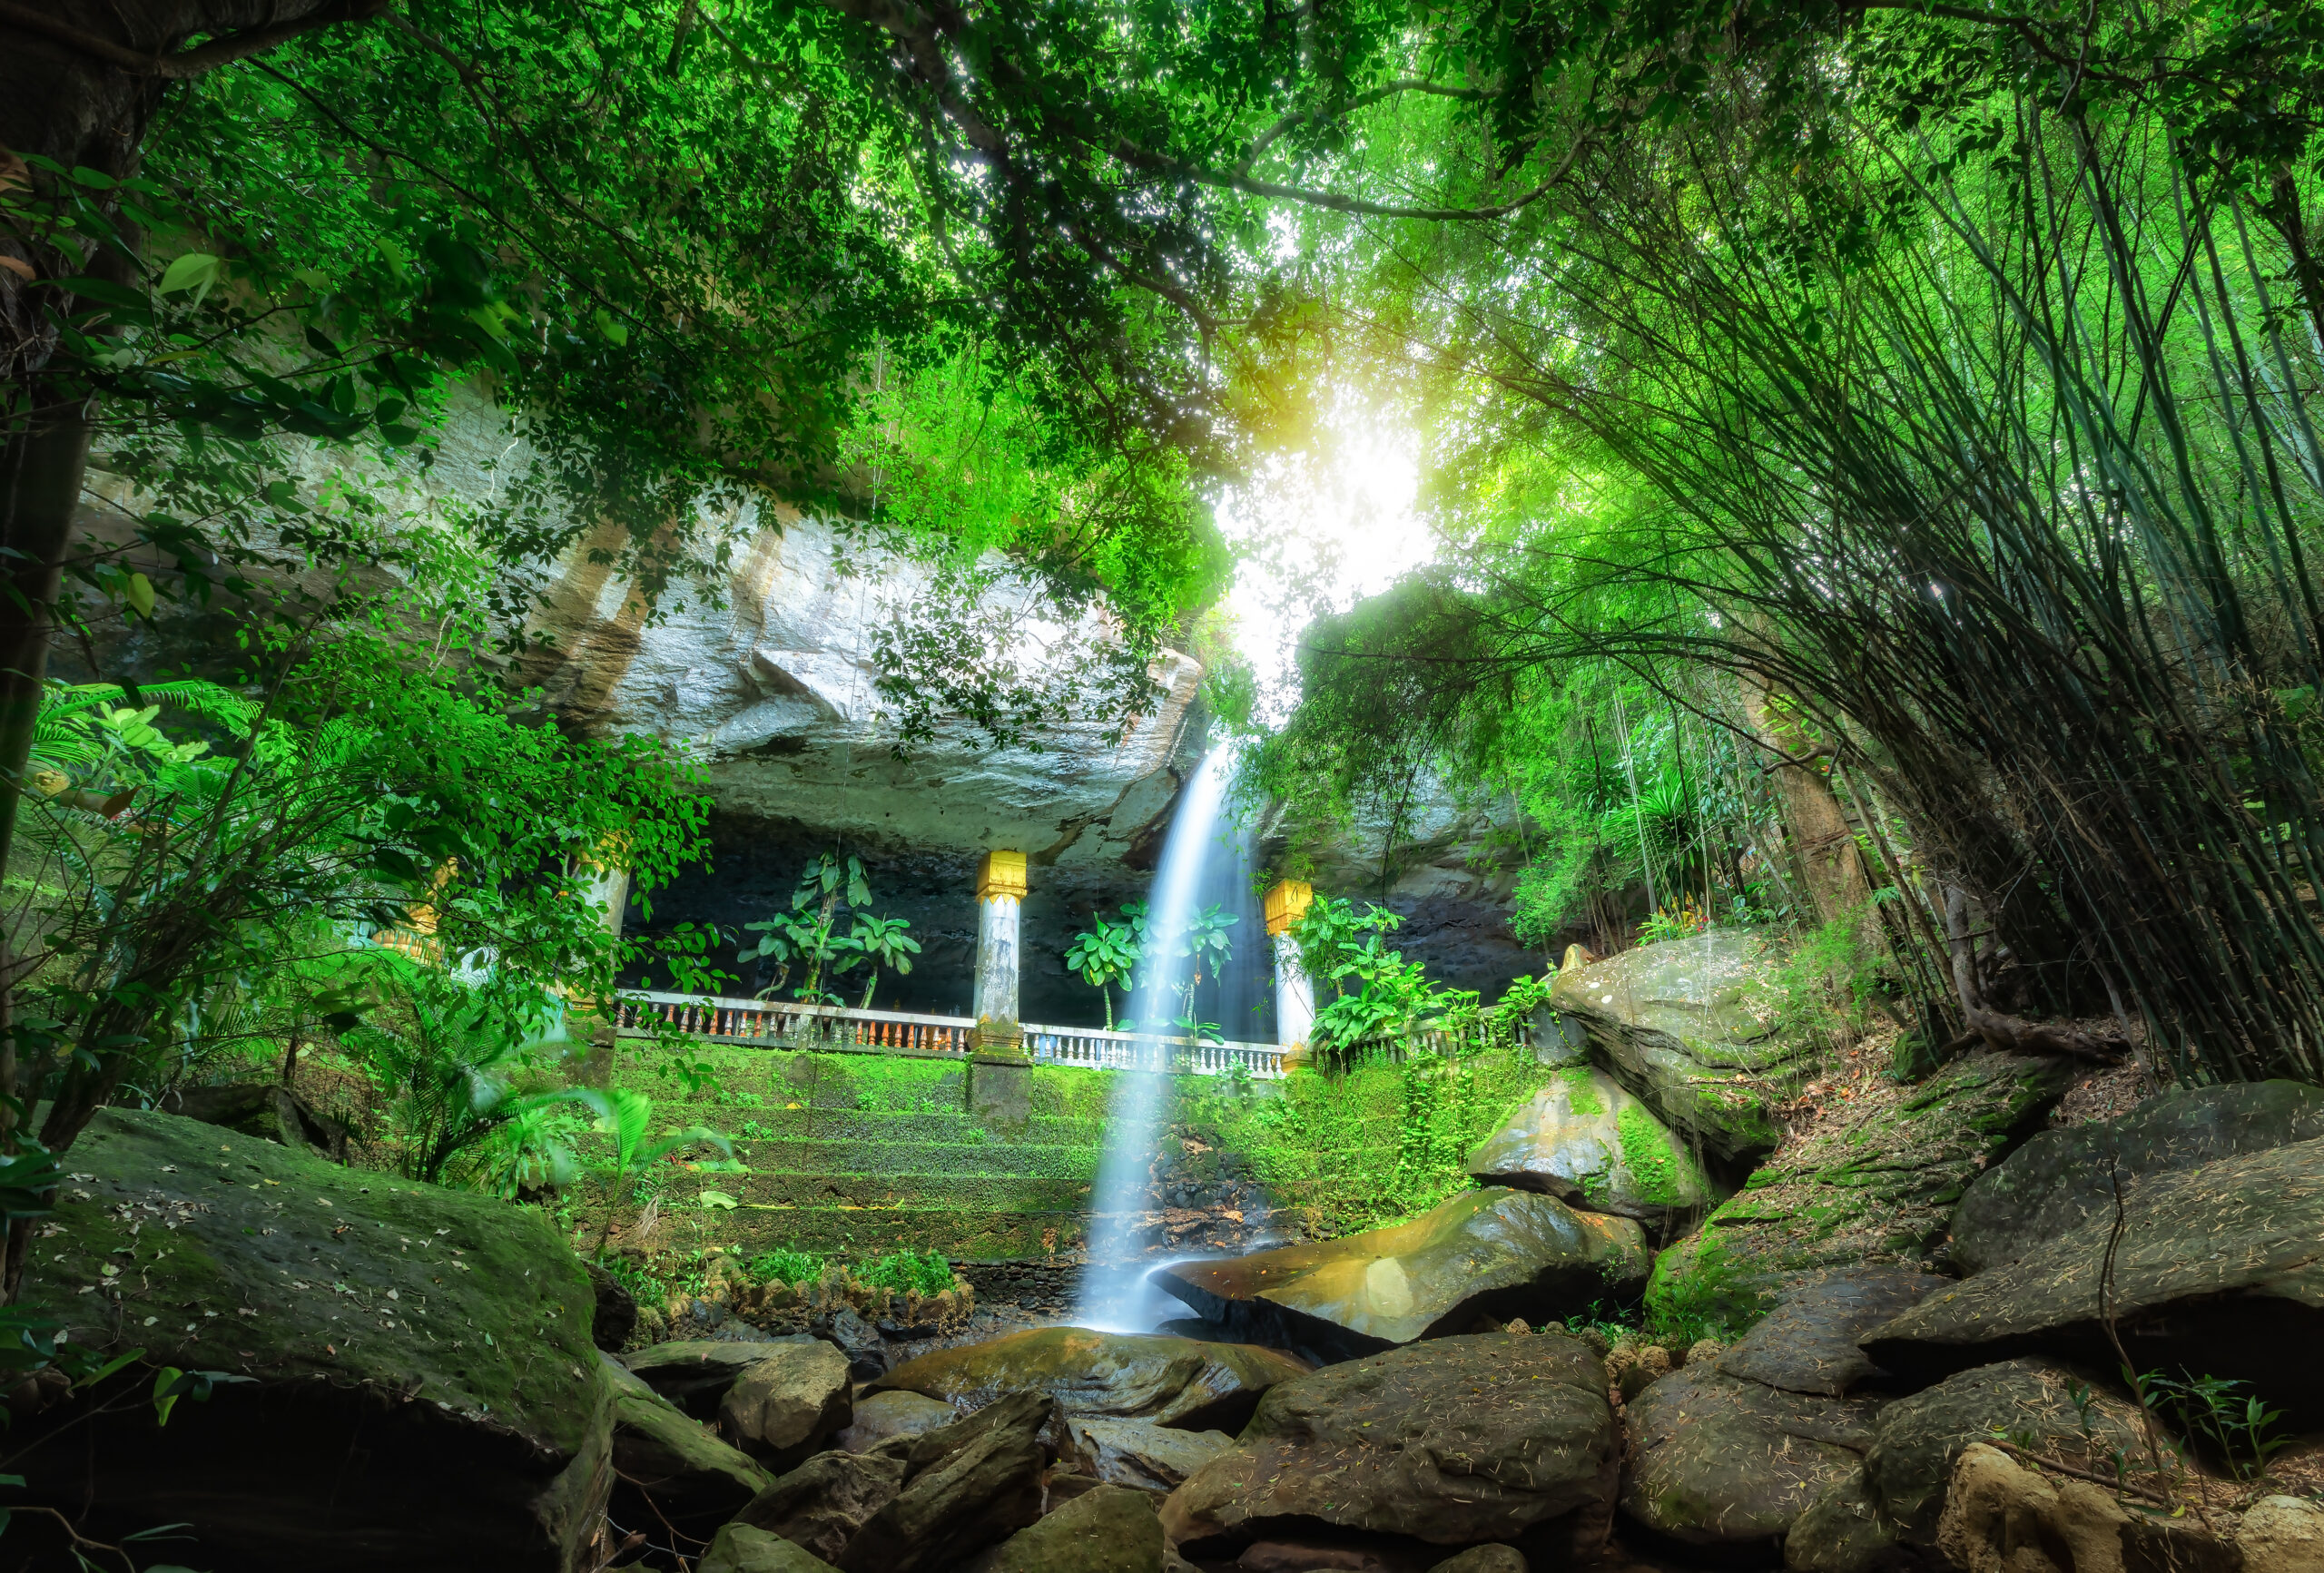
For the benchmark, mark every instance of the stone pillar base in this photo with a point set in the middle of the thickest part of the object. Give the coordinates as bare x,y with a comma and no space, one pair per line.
1000,1094
1002,1038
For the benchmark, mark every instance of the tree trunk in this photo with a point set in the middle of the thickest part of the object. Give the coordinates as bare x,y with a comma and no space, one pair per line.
1829,859
2013,1034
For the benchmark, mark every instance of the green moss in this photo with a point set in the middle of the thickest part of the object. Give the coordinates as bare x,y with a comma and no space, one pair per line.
1581,1092
1655,1168
1697,1290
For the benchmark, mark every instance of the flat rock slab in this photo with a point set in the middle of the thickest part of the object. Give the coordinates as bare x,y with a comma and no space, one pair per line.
695,1372
1141,1453
2059,1178
1585,1139
442,1337
1175,1382
1455,1441
1108,1529
1715,1460
1915,1440
2219,1269
1808,1343
1494,1253
1685,1026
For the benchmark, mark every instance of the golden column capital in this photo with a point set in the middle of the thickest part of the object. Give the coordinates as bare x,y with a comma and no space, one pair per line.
1287,903
1001,874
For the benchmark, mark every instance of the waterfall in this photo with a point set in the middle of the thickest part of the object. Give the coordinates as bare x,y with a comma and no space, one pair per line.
1116,1301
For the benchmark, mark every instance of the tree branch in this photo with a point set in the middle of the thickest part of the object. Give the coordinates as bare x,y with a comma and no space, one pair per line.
187,63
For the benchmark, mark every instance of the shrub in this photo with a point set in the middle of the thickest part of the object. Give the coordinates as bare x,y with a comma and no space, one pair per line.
785,1265
925,1271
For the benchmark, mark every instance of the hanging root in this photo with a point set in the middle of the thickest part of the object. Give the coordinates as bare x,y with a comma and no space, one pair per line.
2014,1034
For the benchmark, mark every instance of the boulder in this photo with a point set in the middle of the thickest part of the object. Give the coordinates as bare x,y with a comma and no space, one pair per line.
693,1481
1318,1552
1455,1441
966,1486
1106,1529
825,1501
1842,1531
1808,1343
1142,1453
1493,1253
1684,1026
2218,1269
695,1372
1713,1460
1879,1188
1174,1381
2061,1178
1585,1140
1483,1559
440,1337
866,1351
881,1415
2281,1534
784,1406
265,1110
740,1549
2002,1518
1915,1440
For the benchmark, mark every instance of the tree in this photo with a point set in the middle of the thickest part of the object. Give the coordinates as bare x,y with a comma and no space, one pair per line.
881,942
1107,953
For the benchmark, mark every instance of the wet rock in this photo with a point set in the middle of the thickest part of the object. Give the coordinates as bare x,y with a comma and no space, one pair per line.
614,1317
881,1415
692,1479
1880,1189
1453,1441
1106,1529
1683,1025
2059,1178
866,1351
1141,1453
966,1486
1808,1343
740,1549
825,1501
213,1250
1175,1382
1585,1140
1715,1460
2219,1269
787,1406
695,1372
1492,1252
1917,1439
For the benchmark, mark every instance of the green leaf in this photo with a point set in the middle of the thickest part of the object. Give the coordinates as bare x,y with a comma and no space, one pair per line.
138,591
195,270
718,1201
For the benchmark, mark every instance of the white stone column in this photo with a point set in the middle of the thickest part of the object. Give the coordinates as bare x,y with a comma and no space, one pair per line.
1000,895
1294,991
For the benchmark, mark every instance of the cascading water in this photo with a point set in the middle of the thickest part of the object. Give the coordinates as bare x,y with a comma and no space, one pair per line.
1112,1299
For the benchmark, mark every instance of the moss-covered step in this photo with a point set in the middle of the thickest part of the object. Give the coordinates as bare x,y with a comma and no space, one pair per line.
961,1234
1054,1160
746,1123
1879,1188
969,1193
410,1379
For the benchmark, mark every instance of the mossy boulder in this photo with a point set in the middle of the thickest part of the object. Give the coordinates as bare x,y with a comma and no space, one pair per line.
1105,1530
1715,1460
1494,1253
1808,1343
1141,1453
1172,1381
1686,1026
2061,1178
2218,1269
1456,1442
1585,1139
441,1337
684,1476
1879,1187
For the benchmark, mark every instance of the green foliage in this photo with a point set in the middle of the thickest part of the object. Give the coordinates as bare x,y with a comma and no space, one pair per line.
2224,1414
1698,1291
809,933
926,1272
1654,1168
786,1266
1108,953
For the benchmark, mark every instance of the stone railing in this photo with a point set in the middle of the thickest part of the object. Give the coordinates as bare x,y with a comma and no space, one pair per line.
1426,1043
794,1026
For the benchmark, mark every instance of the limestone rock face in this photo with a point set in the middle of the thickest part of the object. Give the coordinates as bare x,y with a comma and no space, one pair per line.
692,1479
1172,1381
1492,1252
1808,1343
1681,1025
1713,1460
1455,1442
2061,1178
2002,1518
1141,1453
2219,1269
788,1404
1877,1189
1917,1439
359,1305
1108,1529
1585,1140
2281,1534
